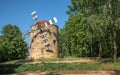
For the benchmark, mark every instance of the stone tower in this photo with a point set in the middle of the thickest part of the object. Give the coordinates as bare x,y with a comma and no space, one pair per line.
44,40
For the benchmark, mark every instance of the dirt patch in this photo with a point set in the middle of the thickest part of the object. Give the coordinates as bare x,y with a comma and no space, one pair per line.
71,72
87,72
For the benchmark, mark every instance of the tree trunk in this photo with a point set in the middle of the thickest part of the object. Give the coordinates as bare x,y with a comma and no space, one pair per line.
115,45
100,50
91,51
114,33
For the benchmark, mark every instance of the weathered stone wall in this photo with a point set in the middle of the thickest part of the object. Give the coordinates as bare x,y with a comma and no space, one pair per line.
44,42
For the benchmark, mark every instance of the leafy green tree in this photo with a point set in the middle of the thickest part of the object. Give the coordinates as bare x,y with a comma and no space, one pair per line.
12,45
114,13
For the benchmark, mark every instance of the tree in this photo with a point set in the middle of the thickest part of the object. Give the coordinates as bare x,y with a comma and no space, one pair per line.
114,13
12,45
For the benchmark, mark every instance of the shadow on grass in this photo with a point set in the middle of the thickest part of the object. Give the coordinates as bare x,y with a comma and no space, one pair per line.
8,68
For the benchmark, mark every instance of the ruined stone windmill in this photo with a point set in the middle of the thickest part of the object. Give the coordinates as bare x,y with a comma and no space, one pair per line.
43,38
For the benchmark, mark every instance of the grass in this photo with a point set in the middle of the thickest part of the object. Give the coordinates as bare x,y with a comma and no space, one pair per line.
97,65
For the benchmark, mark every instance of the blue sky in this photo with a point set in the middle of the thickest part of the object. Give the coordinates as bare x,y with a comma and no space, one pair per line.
17,12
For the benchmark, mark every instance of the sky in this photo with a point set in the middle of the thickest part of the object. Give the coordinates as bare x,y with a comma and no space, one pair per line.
17,12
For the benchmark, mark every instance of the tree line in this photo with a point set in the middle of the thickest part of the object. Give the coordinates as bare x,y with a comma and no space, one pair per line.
92,30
